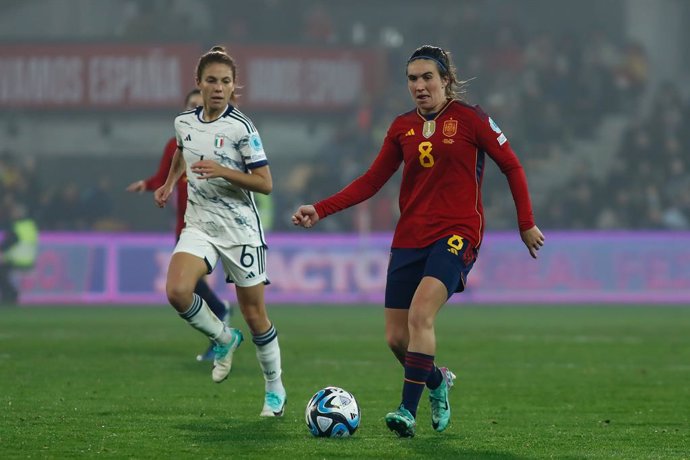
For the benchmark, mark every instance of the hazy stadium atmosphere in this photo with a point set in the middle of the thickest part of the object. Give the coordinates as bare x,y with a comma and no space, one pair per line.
581,353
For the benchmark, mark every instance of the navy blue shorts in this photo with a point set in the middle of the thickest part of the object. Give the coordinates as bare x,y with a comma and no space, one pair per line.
449,260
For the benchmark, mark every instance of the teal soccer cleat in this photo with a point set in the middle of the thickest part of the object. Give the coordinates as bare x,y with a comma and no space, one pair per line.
440,407
210,354
222,362
274,405
402,422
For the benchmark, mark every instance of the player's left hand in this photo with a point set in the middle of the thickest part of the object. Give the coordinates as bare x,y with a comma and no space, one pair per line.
207,169
162,193
533,239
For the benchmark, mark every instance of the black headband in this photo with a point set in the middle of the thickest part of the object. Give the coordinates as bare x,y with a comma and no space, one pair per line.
422,56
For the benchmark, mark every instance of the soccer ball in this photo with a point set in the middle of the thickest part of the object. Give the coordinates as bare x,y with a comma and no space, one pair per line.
332,413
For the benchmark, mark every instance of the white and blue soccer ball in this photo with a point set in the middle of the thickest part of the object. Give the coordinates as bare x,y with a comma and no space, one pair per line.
332,413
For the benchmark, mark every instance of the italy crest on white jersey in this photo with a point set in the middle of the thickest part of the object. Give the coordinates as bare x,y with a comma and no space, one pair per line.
216,207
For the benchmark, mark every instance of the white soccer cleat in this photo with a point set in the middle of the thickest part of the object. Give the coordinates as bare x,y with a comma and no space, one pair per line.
223,360
274,405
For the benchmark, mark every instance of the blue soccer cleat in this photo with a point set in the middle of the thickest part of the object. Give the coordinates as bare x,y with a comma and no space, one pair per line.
207,355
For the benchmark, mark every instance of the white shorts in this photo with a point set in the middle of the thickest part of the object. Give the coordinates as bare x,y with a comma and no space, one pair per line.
243,265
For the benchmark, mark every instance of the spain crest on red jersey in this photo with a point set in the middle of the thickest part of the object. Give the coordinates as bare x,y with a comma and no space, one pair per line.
450,128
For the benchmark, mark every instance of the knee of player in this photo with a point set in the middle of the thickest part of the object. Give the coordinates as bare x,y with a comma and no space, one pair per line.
419,320
179,295
256,318
397,339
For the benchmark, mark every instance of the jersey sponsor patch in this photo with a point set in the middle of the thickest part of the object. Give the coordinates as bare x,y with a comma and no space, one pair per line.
501,139
255,142
494,126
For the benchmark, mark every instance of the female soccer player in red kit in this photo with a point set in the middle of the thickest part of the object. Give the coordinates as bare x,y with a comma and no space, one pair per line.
443,144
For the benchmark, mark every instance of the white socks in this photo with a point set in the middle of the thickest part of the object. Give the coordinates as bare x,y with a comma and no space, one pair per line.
201,318
268,354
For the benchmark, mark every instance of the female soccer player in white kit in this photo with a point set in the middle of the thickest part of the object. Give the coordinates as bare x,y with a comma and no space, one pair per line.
225,163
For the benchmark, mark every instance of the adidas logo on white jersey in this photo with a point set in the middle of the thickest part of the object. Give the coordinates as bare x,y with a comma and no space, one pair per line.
188,138
250,276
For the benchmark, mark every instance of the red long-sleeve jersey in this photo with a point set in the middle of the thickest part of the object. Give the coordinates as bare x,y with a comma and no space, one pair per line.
440,194
158,179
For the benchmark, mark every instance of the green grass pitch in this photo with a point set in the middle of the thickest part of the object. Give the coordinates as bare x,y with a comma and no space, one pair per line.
533,382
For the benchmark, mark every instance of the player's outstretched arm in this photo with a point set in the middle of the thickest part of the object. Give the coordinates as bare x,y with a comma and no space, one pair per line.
533,239
305,216
138,186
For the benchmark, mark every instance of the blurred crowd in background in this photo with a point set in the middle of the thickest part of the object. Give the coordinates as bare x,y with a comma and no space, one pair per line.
601,147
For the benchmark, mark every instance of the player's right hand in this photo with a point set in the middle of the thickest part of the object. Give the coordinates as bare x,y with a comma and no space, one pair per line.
306,216
161,195
138,186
